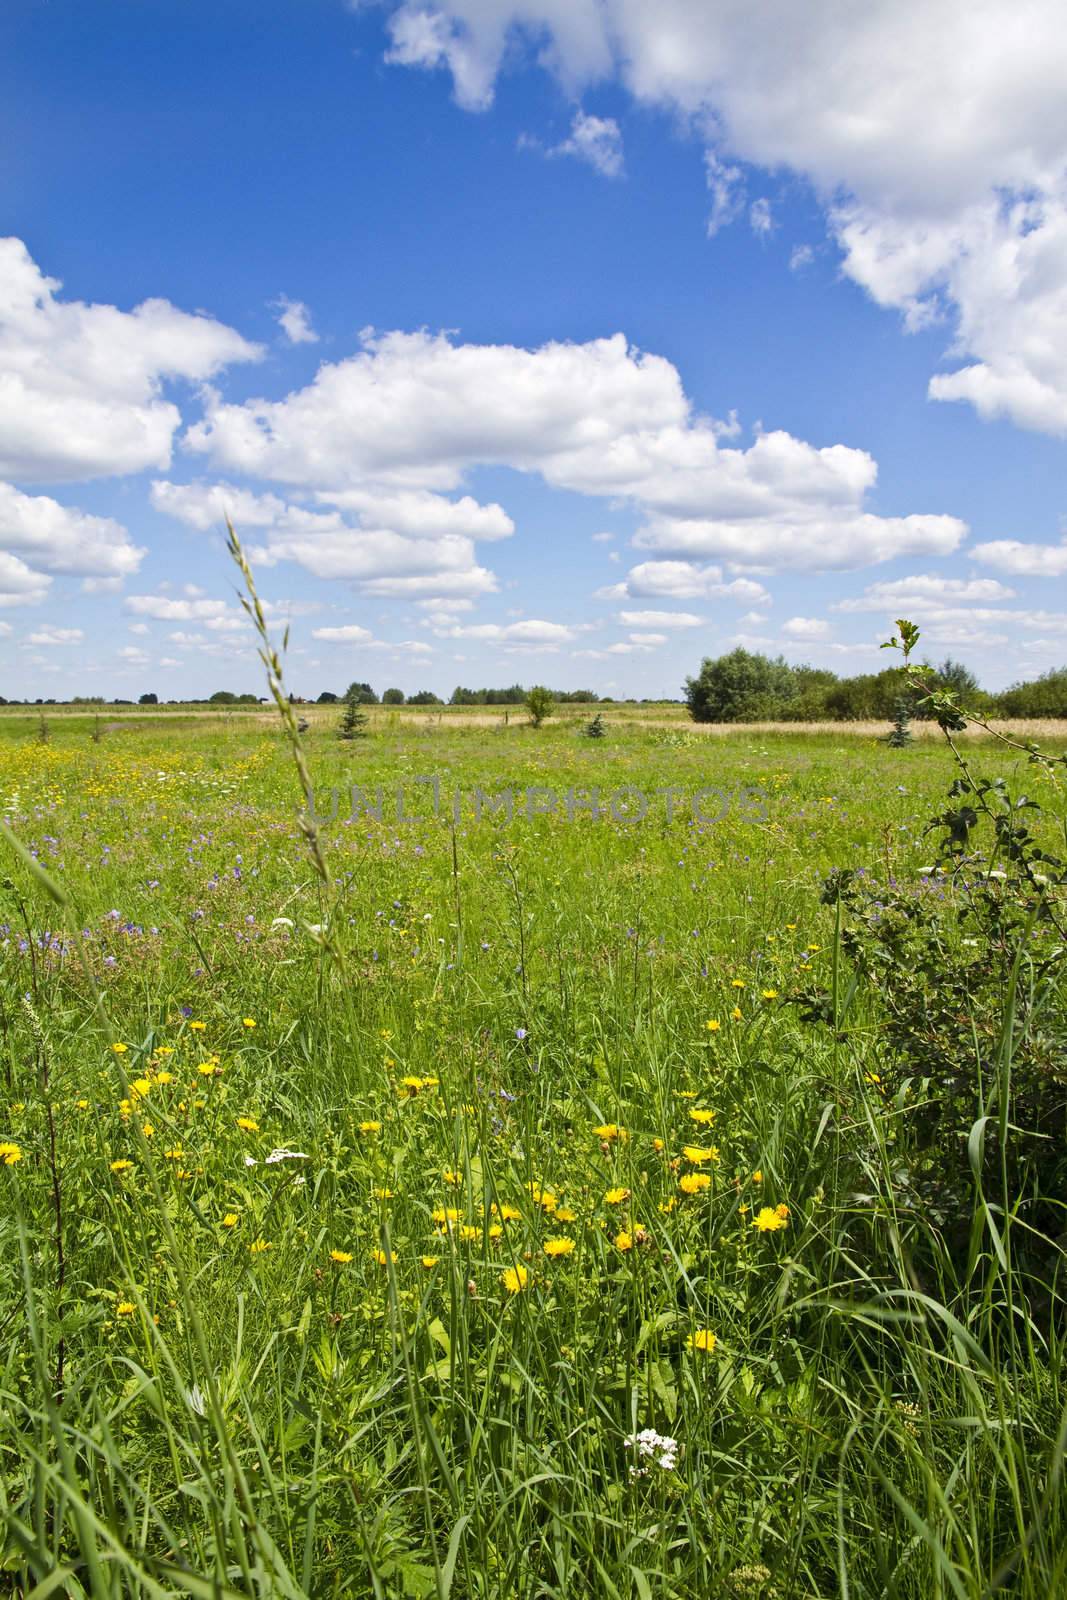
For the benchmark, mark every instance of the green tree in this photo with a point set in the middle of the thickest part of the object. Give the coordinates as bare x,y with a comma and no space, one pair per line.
740,687
539,704
327,698
596,728
365,695
425,697
353,718
393,697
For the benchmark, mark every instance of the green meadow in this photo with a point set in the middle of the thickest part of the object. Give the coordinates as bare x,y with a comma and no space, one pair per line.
560,1205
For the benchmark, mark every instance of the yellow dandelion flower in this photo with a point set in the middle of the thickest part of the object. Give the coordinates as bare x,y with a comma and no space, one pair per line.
737,983
667,1206
230,1220
248,1124
445,1216
370,1127
125,1308
694,1182
713,1024
768,1219
657,1144
624,1241
452,1177
505,1212
248,1022
757,1176
410,1086
697,1156
198,1027
147,1129
515,1279
383,1259
341,1256
384,1194
468,1232
560,1246
140,1088
736,1014
702,1115
164,1077
257,1247
429,1262
610,1131
702,1339
82,1105
770,994
565,1214
616,1197
121,1166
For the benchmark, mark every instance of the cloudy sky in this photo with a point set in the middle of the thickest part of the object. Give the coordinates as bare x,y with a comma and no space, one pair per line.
562,340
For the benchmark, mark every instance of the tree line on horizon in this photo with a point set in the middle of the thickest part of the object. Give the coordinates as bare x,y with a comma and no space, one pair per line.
741,686
744,686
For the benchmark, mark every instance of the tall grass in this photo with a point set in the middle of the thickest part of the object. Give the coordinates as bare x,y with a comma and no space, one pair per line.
882,1414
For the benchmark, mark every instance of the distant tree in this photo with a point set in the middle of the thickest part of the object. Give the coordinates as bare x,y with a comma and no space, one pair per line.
354,719
957,678
327,698
393,697
539,704
425,697
365,695
870,696
740,687
1044,697
596,728
221,697
900,734
148,700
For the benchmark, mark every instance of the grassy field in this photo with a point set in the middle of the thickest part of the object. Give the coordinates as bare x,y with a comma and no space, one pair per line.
357,1229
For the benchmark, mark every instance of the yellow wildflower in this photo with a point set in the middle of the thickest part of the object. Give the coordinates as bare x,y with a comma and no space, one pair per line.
248,1124
694,1182
514,1279
560,1246
713,1024
342,1256
624,1241
702,1339
769,1219
258,1246
370,1127
230,1220
697,1156
616,1197
125,1308
121,1166
702,1115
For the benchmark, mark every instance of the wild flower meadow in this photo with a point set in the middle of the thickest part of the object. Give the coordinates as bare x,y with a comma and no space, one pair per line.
545,1208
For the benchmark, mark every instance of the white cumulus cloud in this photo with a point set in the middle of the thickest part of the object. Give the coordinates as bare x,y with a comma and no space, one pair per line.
81,386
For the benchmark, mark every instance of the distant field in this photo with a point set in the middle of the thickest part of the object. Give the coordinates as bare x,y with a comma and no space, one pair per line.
392,1209
386,718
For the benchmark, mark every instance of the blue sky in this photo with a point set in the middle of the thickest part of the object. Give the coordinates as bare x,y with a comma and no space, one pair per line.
561,343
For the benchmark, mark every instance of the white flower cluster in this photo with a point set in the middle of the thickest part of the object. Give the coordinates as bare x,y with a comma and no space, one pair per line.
652,1449
276,1156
